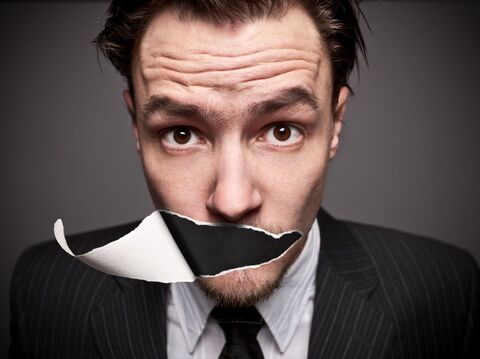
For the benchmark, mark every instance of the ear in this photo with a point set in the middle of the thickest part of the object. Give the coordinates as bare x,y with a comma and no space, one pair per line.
129,102
338,114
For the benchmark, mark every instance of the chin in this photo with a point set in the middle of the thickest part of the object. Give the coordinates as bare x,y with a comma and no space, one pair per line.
246,287
242,288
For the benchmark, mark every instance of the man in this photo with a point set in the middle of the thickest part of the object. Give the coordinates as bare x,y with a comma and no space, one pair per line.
237,108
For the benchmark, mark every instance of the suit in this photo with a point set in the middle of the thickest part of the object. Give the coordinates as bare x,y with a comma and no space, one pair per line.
380,293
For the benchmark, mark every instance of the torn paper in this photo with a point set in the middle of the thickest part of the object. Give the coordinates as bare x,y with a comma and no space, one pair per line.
168,247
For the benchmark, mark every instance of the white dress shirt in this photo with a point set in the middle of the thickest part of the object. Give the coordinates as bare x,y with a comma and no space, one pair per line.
192,333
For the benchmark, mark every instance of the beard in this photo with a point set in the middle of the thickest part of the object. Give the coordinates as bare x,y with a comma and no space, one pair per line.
246,287
240,288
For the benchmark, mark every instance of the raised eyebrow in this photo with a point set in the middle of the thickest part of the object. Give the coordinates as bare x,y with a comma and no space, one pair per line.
285,98
171,107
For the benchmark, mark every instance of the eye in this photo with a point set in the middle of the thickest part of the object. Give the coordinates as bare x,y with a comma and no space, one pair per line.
283,135
180,137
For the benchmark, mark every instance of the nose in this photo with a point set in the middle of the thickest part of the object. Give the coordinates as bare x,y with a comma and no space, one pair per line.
234,194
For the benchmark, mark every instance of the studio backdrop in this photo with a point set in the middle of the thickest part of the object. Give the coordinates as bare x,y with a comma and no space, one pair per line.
409,153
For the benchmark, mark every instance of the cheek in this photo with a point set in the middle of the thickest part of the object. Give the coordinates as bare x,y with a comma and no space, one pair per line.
177,183
293,184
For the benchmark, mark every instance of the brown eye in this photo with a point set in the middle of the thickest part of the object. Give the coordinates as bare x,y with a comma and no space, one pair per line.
182,135
282,132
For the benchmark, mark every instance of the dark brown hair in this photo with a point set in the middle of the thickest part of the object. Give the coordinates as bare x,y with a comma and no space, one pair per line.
337,21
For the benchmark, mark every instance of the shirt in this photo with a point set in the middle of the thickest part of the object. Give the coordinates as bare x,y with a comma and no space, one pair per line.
193,334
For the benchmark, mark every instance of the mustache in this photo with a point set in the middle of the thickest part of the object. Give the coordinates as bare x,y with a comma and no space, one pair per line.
271,227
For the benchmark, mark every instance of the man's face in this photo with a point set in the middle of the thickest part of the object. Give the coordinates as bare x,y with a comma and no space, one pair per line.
235,124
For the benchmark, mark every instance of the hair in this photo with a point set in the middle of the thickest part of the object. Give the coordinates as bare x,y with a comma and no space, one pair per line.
337,21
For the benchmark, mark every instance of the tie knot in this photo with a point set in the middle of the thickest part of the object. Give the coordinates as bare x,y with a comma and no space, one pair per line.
240,325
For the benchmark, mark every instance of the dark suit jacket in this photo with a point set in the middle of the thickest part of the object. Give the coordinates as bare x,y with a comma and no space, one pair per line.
380,293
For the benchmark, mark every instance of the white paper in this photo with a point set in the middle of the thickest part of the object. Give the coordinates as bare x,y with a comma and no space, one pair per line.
149,252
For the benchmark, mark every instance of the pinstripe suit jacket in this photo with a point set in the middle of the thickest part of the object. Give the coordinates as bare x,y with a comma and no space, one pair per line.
379,294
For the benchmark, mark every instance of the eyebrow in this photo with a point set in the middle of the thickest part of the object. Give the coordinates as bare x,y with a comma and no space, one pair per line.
286,98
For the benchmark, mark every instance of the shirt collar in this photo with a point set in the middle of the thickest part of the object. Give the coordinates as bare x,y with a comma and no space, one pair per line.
193,308
282,311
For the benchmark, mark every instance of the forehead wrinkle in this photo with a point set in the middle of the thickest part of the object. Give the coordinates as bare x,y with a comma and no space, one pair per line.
221,69
173,53
232,80
191,63
235,68
202,47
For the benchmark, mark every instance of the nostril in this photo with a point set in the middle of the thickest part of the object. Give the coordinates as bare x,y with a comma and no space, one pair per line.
232,209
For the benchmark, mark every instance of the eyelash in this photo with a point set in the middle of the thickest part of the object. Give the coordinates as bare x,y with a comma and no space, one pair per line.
164,132
299,129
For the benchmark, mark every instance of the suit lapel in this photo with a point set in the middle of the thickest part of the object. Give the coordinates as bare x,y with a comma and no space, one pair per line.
133,325
345,323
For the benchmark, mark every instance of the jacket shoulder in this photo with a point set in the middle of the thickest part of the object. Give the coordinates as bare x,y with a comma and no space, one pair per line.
425,286
46,262
51,290
412,253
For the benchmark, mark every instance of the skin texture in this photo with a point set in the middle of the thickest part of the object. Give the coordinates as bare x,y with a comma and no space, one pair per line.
229,165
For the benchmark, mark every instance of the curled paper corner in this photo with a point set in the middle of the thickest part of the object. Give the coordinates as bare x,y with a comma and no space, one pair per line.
146,253
59,233
168,247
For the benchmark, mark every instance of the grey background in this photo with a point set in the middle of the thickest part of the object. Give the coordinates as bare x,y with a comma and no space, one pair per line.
409,155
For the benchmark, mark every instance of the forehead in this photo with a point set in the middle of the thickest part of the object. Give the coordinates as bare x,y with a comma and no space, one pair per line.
195,57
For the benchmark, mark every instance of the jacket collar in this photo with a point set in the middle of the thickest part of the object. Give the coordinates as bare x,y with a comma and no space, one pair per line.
346,321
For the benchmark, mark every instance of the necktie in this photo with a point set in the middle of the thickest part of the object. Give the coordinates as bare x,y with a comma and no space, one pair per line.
240,326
